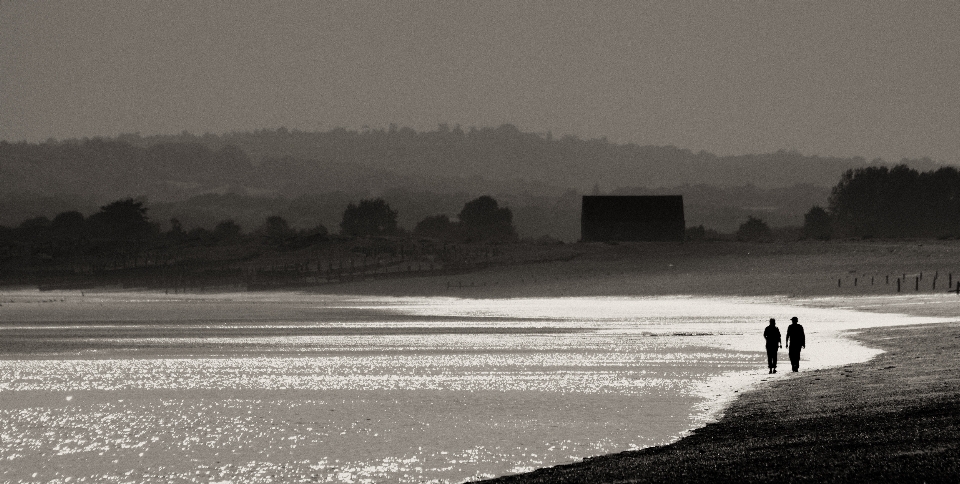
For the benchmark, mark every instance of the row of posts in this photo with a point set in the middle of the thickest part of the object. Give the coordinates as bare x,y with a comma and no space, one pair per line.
916,283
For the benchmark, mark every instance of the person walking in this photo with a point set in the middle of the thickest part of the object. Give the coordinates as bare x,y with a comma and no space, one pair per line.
796,336
772,335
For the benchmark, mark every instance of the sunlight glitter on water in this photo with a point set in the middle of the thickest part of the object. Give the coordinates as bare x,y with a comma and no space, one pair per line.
482,388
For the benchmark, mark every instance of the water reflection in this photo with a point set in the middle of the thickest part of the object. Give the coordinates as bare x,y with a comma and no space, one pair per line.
296,388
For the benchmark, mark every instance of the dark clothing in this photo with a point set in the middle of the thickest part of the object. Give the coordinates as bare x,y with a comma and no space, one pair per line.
795,357
795,342
771,357
772,335
795,335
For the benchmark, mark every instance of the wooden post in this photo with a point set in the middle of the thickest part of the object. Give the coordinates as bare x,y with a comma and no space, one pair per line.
838,281
888,279
854,282
898,284
917,283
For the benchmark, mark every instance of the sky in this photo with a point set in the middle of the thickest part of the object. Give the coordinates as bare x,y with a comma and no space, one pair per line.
846,78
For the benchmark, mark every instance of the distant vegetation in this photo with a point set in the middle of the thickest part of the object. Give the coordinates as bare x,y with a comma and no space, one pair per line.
122,244
308,177
890,203
119,244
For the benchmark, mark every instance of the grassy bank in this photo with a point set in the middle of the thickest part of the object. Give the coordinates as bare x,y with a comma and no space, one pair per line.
895,418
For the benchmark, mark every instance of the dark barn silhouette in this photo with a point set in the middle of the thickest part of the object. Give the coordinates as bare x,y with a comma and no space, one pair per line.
632,218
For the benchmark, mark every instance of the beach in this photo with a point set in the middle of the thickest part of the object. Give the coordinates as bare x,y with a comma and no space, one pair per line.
895,418
838,411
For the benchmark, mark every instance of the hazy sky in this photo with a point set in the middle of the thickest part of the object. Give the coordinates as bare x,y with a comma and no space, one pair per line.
875,79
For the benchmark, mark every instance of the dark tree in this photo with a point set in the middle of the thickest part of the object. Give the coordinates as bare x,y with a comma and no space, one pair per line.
277,232
34,230
176,232
437,227
227,232
201,236
894,203
312,236
123,220
67,233
369,218
484,219
67,225
754,230
816,224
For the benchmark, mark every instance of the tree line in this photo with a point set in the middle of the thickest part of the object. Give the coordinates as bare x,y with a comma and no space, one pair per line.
881,202
121,235
534,172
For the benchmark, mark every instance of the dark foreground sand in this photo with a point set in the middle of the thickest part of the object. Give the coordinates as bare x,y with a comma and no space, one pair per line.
895,418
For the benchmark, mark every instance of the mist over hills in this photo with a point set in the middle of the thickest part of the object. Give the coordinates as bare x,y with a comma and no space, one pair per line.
310,176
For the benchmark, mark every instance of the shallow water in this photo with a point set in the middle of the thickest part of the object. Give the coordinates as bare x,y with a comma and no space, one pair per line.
284,387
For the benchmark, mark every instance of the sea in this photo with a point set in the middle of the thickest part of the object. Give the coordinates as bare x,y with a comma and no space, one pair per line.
131,387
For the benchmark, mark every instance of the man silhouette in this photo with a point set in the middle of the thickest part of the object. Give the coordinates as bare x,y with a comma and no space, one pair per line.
772,335
795,334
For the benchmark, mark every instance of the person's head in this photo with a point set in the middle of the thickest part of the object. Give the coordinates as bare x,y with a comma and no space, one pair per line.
794,320
773,322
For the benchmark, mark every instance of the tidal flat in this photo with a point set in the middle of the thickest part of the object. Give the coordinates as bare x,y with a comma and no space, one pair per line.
259,387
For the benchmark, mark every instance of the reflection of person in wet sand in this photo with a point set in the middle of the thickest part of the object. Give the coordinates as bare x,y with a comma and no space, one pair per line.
772,335
795,334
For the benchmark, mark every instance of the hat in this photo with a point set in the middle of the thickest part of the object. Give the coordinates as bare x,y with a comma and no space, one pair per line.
794,319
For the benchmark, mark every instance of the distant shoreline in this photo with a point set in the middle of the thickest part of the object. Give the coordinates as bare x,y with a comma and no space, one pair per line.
720,268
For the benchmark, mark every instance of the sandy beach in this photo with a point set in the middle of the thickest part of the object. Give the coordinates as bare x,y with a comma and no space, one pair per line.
894,418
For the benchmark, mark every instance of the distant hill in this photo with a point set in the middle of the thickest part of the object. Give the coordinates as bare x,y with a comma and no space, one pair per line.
506,153
430,172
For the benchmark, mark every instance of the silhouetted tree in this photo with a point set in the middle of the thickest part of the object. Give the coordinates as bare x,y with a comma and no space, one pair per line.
483,219
312,236
277,232
66,233
34,230
200,236
369,218
754,230
227,232
124,220
67,226
176,232
899,202
816,224
436,226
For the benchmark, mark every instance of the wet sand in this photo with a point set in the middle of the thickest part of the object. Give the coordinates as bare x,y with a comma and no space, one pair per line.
895,418
891,419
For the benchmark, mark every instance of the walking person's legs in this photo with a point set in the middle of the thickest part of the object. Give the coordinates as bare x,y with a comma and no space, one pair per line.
795,359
